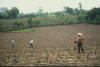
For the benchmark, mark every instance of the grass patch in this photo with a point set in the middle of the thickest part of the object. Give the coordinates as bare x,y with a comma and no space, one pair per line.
26,31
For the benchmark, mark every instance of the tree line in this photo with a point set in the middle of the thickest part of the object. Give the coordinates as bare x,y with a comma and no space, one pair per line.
7,14
66,16
14,12
91,16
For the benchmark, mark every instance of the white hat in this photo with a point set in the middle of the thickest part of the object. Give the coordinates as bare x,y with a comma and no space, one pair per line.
80,34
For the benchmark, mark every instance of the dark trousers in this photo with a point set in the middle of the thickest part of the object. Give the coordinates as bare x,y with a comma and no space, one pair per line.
12,45
80,48
31,45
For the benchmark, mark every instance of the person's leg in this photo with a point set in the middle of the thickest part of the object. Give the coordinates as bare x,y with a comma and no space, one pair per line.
74,49
12,45
31,45
82,49
78,47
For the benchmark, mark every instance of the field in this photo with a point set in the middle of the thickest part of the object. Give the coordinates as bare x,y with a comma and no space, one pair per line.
52,46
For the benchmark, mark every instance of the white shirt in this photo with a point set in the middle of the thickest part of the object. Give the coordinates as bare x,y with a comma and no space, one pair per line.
31,41
13,41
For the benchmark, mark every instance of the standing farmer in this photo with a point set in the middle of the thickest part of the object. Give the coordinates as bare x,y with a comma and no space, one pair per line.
80,40
12,43
31,43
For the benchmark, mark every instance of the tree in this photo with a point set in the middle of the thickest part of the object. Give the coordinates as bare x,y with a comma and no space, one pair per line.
3,13
30,15
13,12
80,6
94,15
76,11
59,14
91,15
68,10
3,9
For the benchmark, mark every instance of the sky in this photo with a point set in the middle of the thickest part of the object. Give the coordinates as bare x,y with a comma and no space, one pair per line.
28,6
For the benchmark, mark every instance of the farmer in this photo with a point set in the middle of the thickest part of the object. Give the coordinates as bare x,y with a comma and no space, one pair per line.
31,43
12,43
80,40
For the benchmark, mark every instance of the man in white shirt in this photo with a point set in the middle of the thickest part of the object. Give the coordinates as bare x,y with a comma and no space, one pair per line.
13,44
31,43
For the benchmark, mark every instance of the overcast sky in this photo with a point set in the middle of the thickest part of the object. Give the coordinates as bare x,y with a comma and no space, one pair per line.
27,6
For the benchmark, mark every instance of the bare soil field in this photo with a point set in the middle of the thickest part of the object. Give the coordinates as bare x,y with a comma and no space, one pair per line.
52,46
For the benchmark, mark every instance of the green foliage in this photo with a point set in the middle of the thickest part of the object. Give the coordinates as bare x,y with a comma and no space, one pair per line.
57,14
36,23
93,16
81,18
76,11
96,20
68,10
3,15
70,19
30,15
30,22
3,27
13,13
18,25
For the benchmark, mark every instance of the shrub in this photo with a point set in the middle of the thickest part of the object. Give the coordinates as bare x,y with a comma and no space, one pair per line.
81,19
30,22
97,20
36,23
4,28
1,28
18,25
